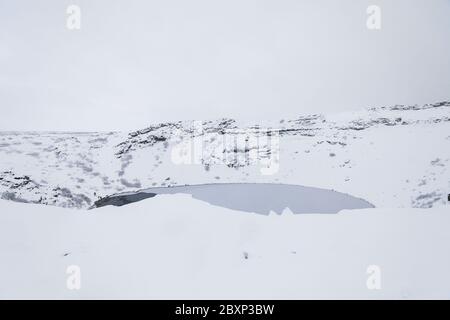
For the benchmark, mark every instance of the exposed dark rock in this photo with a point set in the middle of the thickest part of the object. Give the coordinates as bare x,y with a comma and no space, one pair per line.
120,200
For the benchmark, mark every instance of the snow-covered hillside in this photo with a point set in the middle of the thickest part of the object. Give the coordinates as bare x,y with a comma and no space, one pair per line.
392,157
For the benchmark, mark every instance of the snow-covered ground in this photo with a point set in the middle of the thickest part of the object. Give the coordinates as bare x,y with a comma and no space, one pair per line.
177,246
173,246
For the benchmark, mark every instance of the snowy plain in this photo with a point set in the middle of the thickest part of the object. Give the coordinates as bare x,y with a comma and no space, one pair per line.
176,247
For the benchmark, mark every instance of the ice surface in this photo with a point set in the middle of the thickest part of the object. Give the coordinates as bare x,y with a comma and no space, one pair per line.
251,197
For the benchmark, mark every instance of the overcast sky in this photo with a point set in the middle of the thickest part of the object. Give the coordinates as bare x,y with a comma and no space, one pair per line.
135,62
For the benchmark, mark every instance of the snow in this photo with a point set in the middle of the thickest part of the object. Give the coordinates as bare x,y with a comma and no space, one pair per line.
177,247
205,244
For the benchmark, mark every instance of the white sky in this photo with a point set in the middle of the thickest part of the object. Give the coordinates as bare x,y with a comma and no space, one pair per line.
139,62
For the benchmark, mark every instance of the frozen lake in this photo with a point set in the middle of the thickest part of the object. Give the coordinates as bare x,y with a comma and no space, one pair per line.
252,197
